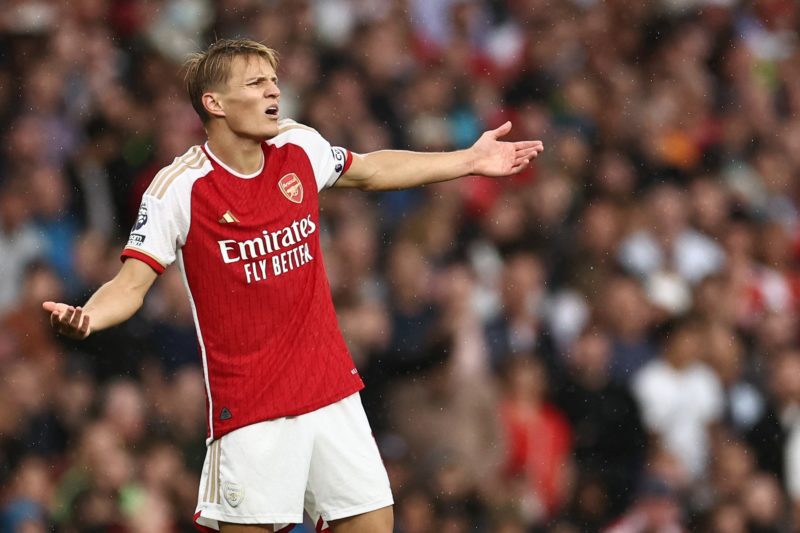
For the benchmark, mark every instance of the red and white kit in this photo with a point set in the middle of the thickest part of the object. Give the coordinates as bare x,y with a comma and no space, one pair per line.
249,251
276,366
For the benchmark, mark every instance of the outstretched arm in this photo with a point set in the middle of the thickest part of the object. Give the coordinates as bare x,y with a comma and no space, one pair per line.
113,303
396,169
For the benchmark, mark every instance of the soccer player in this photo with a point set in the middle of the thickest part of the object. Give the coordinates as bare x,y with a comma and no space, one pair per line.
239,214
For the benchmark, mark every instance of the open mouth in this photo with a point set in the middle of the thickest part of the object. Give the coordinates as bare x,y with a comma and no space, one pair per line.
272,111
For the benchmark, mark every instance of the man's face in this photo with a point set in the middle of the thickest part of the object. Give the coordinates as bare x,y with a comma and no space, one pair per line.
250,98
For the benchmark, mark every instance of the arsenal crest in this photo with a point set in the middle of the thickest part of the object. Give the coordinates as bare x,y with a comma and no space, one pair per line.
233,492
291,187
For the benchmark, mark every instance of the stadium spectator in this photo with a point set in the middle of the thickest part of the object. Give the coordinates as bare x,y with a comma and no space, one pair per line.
656,509
680,397
628,317
696,97
538,438
600,410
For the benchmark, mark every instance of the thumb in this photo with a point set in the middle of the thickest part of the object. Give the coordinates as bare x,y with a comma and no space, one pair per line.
502,130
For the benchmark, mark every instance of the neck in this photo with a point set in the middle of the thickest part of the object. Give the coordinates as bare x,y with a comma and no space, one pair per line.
240,154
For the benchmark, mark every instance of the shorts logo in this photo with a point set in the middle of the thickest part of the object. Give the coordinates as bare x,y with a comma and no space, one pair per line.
291,187
234,493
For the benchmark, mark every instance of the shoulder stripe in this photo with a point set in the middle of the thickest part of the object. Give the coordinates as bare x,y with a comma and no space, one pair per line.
187,161
167,169
189,157
196,164
157,178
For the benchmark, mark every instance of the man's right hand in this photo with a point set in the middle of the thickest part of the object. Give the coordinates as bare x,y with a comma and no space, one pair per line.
72,322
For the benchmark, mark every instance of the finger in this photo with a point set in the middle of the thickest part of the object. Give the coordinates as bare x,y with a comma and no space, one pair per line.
54,307
84,329
526,154
516,170
518,166
66,315
527,145
77,316
524,160
502,130
83,326
533,152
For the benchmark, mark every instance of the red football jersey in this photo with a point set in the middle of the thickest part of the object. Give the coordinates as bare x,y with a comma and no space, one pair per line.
249,250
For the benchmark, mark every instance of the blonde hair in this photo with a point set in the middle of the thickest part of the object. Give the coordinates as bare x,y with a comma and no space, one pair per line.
210,69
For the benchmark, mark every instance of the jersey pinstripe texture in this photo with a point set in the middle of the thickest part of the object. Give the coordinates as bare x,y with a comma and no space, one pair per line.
251,260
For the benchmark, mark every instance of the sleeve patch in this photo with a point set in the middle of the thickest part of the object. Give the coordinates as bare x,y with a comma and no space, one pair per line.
339,160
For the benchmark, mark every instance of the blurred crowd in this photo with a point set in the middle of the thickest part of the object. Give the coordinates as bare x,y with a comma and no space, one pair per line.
605,342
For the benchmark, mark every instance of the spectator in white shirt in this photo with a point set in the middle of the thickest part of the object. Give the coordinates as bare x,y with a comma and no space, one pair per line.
667,243
680,397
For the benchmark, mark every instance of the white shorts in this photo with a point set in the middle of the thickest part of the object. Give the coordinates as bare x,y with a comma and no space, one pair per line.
325,462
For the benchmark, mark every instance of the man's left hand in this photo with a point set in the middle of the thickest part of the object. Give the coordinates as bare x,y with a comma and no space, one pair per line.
493,157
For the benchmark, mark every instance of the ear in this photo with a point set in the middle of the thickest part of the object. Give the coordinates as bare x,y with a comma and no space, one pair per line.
212,105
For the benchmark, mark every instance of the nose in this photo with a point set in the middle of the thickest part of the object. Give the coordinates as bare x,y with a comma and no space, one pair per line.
273,91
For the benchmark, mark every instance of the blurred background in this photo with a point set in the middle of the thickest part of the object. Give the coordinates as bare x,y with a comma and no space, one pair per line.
605,342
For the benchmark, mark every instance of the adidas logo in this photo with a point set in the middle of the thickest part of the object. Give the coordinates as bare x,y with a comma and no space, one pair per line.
225,414
228,218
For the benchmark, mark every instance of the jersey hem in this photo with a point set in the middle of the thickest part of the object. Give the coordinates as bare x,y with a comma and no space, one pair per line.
219,433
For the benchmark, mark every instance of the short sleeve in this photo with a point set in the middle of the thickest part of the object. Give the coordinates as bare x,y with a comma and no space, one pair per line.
328,162
156,232
342,159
